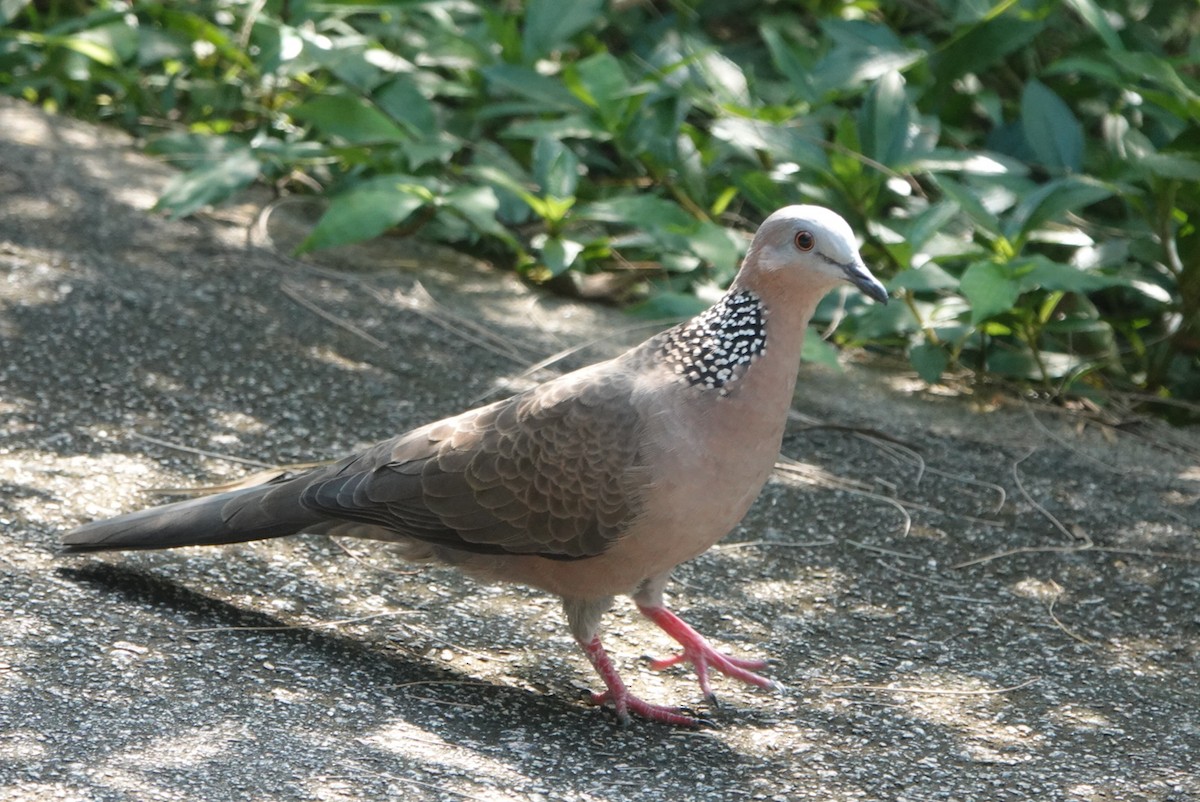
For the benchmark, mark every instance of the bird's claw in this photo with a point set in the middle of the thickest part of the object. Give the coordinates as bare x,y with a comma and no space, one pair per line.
626,703
702,655
696,650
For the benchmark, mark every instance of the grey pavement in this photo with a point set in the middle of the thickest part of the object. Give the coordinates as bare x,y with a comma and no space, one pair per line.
139,354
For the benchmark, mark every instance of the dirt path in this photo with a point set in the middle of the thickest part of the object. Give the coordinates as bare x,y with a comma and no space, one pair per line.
1064,668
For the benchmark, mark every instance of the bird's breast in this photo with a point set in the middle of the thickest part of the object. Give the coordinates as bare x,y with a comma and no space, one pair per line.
707,456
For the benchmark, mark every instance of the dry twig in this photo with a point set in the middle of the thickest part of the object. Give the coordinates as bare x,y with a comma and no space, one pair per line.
1089,546
937,691
1037,506
295,295
314,625
1060,625
201,452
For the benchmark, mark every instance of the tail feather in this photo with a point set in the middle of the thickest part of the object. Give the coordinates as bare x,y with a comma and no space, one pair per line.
253,513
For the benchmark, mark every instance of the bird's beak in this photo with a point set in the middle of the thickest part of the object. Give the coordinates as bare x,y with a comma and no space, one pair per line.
858,275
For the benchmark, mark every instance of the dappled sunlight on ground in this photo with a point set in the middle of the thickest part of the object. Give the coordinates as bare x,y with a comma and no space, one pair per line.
933,642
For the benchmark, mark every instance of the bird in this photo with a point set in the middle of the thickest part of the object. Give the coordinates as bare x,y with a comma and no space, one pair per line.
592,485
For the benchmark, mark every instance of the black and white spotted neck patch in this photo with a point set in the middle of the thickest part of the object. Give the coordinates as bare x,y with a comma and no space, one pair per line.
712,349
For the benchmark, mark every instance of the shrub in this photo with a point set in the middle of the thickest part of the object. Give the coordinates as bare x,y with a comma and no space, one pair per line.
1025,174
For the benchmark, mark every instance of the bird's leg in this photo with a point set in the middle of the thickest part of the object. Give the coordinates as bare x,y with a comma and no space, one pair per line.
700,653
622,700
584,617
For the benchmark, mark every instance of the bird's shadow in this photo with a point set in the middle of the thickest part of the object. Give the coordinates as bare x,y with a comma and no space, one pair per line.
208,613
385,668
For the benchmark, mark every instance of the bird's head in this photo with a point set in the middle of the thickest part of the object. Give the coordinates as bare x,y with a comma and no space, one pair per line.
808,247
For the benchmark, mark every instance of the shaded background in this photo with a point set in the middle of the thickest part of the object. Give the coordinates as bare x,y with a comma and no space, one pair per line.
1024,174
312,669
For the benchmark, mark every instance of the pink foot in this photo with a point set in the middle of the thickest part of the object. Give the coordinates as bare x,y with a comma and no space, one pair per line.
701,654
623,701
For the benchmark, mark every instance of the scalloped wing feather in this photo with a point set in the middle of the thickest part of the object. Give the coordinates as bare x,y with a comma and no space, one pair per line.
557,471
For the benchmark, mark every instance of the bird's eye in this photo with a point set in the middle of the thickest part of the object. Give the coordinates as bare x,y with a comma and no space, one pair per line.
805,240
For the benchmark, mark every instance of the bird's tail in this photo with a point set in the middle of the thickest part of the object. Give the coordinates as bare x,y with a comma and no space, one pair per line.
252,513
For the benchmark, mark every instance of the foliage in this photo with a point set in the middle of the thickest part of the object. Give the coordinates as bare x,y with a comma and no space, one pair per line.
1026,172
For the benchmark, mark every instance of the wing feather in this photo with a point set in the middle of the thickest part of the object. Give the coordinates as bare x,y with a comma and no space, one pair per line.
556,471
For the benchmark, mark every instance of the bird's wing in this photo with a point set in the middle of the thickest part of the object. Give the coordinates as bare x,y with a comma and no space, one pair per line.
557,471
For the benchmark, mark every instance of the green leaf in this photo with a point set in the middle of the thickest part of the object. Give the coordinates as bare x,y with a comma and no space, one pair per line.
765,193
816,351
784,143
1148,67
669,306
655,224
844,162
404,103
555,168
494,165
1171,165
926,278
1050,202
971,204
922,227
570,126
990,288
550,24
479,206
862,52
558,254
995,329
436,149
1094,16
1084,65
984,45
119,38
366,211
884,120
793,62
655,130
476,204
1020,364
599,81
155,47
722,201
289,151
1044,273
1050,364
209,184
195,28
551,209
717,245
504,180
929,360
547,93
189,149
350,119
9,9
347,62
99,52
639,211
969,162
1050,128
877,321
724,78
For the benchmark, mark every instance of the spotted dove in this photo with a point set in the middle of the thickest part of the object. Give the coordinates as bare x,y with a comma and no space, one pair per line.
593,484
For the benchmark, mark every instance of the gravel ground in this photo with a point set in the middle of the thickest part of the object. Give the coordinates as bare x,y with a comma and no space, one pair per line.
306,669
